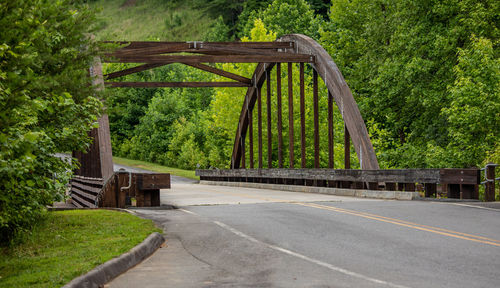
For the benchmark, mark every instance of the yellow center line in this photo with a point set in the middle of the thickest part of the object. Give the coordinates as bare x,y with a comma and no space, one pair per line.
431,229
406,222
436,230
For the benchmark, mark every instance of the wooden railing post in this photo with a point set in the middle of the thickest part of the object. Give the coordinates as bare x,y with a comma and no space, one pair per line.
316,118
290,116
268,112
489,191
280,124
302,119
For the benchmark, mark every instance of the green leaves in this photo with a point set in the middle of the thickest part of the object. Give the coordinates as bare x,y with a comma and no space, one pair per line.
400,60
47,104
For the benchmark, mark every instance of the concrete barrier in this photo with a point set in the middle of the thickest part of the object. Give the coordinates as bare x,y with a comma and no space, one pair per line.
361,193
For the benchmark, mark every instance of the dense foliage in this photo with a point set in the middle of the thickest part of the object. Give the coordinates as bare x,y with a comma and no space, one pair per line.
46,104
424,73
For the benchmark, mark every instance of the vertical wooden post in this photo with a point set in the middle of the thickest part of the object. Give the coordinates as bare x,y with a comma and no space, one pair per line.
250,137
331,163
302,118
259,123
489,192
347,148
243,156
269,131
280,124
316,118
98,161
290,115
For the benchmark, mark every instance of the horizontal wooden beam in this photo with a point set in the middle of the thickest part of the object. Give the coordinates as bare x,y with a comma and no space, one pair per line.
175,84
202,48
131,45
390,175
220,72
132,70
280,57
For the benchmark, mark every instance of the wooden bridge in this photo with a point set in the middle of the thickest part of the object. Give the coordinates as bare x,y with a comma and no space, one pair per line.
97,167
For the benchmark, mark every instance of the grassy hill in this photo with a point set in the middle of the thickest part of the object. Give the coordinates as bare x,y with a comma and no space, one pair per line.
151,20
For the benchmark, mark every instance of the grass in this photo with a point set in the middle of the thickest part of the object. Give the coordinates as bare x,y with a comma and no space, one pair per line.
155,167
69,243
150,20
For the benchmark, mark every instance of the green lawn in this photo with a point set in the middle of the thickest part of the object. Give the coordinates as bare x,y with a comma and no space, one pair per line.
68,244
155,167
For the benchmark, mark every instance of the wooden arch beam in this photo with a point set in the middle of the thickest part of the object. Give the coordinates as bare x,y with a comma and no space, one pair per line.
337,86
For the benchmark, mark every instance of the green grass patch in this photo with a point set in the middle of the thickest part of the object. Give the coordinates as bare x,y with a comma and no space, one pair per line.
155,167
150,20
68,244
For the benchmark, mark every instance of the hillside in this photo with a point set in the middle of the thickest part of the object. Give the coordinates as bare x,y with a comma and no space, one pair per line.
150,20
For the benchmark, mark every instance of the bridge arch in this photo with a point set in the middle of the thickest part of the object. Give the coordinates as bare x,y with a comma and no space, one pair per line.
324,67
293,48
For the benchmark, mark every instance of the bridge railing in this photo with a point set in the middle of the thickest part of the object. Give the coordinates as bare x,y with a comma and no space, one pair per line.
454,183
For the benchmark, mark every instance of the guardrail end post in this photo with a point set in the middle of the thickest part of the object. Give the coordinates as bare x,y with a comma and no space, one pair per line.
489,191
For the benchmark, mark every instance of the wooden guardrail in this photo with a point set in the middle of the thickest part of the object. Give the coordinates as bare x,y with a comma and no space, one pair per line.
455,183
87,192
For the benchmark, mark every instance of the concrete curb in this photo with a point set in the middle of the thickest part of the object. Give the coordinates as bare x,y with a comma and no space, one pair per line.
104,273
397,195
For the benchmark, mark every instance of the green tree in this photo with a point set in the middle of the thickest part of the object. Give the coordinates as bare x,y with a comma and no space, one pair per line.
398,57
285,17
474,111
47,104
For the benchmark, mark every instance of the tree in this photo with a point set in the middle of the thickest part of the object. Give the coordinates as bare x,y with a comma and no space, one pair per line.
285,17
398,58
47,104
474,111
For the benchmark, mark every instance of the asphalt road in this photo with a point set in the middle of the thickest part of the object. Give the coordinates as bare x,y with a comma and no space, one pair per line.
242,237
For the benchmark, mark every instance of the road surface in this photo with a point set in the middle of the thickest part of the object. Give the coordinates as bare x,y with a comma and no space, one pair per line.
243,237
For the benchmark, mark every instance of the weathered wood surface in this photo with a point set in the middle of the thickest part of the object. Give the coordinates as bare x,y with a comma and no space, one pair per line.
85,191
145,188
165,59
337,86
153,47
412,176
324,67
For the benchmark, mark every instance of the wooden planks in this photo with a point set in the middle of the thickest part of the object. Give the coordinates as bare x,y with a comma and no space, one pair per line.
85,191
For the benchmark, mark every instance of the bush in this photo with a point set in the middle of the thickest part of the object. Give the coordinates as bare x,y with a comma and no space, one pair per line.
46,104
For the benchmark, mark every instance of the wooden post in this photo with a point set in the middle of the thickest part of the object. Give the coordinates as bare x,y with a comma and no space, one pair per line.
243,156
250,137
269,133
290,115
259,123
331,163
302,118
489,191
280,124
316,118
347,148
98,161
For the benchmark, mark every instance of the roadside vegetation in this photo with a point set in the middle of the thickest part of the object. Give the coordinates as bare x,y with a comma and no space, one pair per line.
67,244
156,167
